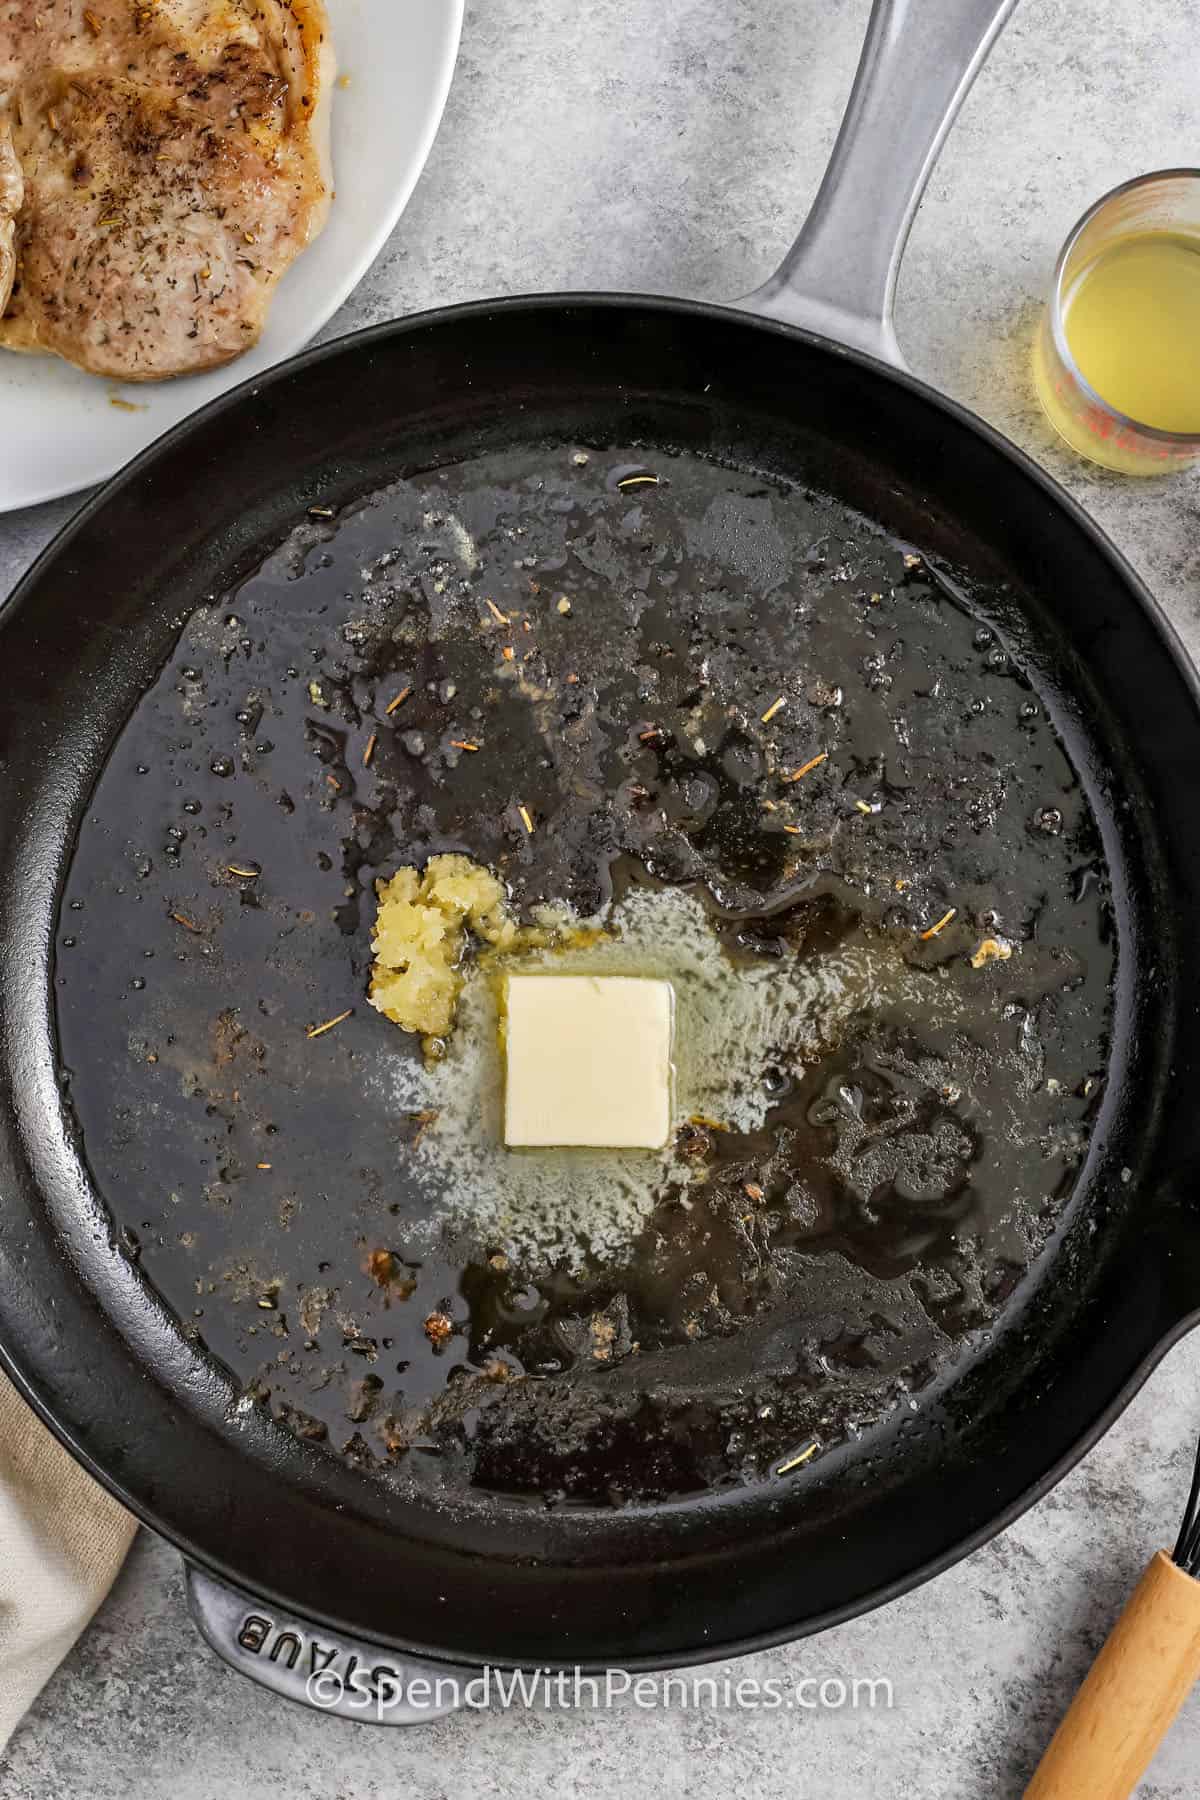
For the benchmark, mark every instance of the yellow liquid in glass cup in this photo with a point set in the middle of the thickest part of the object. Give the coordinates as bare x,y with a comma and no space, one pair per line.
1117,356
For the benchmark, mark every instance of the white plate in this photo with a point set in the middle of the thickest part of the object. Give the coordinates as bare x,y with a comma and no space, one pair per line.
59,428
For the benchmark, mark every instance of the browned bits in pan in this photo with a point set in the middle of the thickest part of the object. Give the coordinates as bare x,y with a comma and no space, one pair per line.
420,1122
381,1266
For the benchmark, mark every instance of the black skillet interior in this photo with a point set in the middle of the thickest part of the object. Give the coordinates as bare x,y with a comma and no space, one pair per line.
105,1359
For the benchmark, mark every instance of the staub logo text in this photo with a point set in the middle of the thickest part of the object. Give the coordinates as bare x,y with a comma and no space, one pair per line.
308,1657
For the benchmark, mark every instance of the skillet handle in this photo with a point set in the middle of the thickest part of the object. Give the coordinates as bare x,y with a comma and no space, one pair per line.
917,65
1131,1694
319,1668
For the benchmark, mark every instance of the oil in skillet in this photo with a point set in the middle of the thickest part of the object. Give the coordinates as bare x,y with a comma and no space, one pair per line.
695,603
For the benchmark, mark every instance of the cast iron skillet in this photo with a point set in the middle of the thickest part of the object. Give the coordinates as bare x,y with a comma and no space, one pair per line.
327,1555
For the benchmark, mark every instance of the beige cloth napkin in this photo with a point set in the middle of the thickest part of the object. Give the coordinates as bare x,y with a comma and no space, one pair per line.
62,1540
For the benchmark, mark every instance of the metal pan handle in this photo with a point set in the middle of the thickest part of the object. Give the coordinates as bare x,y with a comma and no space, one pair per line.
322,1669
918,62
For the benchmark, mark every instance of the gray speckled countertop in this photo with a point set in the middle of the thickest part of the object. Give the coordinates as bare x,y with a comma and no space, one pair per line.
672,146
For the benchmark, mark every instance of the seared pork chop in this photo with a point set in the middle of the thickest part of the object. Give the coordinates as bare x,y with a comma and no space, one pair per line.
173,156
12,191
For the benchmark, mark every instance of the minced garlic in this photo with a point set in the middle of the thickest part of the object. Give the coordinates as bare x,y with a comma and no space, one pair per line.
420,936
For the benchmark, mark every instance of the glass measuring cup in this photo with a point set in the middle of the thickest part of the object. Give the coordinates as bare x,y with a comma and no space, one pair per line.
1166,201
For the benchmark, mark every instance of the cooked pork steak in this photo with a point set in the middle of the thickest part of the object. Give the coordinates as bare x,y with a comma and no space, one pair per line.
12,189
173,156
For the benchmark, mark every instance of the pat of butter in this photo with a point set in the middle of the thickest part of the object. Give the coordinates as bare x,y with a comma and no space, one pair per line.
588,1061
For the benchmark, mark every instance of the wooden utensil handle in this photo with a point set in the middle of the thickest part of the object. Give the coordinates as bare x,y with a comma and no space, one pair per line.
1131,1694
